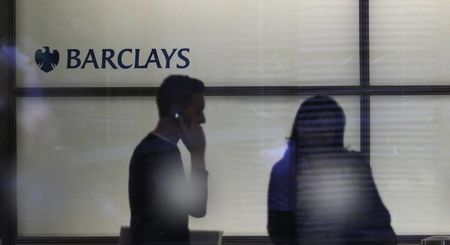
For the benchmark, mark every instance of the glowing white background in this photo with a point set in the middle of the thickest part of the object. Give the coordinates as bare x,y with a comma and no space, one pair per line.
70,149
233,42
409,144
73,157
409,42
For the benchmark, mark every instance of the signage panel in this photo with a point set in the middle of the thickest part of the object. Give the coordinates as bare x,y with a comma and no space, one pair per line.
223,42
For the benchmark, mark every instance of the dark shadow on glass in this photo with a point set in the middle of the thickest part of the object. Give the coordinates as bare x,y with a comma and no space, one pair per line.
320,192
161,199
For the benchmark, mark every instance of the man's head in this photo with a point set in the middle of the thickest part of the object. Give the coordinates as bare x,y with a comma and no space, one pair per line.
181,95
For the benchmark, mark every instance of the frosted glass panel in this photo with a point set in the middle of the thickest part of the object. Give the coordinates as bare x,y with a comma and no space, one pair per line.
409,42
246,136
72,163
230,42
410,161
73,156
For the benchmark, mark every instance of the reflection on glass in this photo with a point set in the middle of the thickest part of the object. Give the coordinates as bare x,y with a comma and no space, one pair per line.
320,192
71,149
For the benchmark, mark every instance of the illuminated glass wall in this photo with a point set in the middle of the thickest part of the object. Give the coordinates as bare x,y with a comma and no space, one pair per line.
78,123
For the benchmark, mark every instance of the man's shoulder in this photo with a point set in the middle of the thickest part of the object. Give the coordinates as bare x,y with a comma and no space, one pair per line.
152,144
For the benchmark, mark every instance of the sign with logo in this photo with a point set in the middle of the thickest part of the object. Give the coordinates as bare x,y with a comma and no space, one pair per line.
46,60
109,58
224,42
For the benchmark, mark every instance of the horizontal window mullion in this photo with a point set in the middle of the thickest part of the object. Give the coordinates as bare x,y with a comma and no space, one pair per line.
235,91
209,91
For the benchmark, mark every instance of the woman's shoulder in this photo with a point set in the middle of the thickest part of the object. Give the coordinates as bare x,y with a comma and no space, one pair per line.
285,163
354,160
349,155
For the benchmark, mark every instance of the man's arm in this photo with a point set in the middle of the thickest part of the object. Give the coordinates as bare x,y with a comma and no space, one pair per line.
193,138
199,186
167,193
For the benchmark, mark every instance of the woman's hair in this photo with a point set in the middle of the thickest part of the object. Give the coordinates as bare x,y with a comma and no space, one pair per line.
307,116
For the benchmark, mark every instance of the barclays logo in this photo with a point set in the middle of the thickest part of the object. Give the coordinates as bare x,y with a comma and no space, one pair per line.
46,60
116,59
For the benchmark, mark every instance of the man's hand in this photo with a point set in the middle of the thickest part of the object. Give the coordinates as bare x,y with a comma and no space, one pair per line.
193,138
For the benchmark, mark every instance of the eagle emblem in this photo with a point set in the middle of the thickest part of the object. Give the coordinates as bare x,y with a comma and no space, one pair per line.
46,60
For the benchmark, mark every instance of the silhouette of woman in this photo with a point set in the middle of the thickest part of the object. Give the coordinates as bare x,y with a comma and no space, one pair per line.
321,193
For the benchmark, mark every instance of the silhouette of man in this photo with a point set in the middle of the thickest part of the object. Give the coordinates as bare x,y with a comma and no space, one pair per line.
161,199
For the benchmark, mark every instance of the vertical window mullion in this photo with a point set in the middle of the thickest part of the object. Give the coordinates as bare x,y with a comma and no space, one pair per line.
364,64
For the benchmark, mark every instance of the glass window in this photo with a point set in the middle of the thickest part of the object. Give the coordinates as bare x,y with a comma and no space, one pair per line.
73,155
230,42
410,161
72,163
409,42
73,152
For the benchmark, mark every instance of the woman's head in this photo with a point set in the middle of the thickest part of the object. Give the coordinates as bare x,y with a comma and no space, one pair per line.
319,124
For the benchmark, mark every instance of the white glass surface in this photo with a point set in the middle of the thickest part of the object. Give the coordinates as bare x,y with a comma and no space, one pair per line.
231,42
73,156
72,163
410,161
409,42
